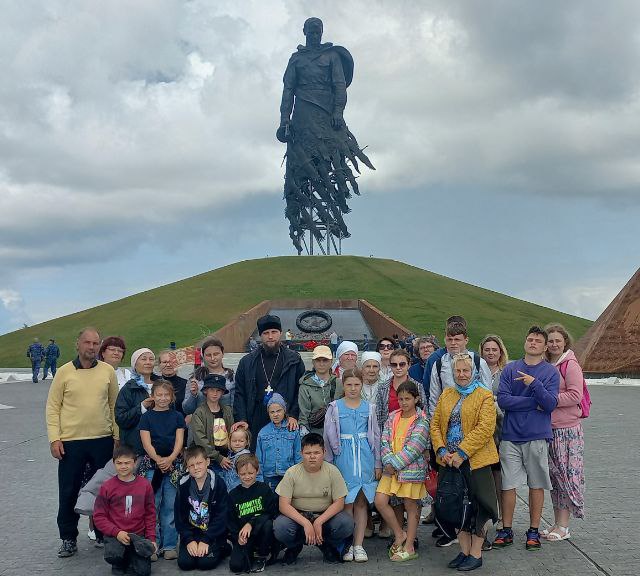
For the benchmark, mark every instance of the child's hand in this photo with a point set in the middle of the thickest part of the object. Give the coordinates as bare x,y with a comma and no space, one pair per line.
192,548
148,402
317,528
309,534
226,463
243,535
389,470
378,473
123,538
203,549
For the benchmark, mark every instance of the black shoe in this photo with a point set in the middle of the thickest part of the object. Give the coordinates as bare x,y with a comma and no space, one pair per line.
445,541
258,565
437,532
291,555
469,564
487,545
67,548
117,570
459,559
330,555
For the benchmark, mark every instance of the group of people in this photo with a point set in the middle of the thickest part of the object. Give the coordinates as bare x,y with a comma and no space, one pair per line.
38,354
274,457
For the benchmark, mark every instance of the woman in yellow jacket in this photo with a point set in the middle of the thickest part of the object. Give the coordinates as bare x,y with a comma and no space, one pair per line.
462,429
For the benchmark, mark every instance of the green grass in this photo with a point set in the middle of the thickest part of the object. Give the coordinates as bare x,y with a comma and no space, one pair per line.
184,311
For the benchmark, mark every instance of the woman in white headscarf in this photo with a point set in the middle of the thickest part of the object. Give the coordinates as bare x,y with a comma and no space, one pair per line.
371,362
346,357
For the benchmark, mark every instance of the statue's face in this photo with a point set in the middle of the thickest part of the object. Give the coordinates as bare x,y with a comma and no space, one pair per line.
313,34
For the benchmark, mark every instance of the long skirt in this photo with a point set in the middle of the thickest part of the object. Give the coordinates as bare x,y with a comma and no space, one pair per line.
566,469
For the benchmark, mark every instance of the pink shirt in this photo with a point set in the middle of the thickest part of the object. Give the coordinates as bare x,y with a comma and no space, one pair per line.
567,413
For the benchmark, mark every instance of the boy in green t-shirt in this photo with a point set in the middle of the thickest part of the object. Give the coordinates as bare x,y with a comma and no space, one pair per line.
312,505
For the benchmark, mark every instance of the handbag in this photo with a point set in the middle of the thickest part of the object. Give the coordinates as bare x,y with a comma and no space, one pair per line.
431,483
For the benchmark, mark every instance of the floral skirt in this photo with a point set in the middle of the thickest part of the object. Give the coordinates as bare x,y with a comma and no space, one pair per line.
566,469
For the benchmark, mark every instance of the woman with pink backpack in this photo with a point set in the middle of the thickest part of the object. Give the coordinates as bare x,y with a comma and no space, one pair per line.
566,451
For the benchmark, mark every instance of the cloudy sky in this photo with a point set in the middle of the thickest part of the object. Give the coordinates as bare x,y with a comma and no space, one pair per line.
137,143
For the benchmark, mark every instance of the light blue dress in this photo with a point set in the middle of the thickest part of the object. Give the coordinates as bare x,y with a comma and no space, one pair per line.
356,461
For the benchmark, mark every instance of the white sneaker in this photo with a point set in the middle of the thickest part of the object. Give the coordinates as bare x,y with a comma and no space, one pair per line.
92,535
359,554
348,555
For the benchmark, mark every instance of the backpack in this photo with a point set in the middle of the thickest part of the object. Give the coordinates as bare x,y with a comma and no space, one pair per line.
452,504
476,363
585,403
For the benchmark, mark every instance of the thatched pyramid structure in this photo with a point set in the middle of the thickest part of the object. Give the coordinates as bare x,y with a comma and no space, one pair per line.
612,344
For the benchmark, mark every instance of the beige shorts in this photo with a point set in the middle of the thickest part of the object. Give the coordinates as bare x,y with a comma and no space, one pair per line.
526,463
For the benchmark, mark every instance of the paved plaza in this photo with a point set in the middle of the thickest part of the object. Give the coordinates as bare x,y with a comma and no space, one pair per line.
604,543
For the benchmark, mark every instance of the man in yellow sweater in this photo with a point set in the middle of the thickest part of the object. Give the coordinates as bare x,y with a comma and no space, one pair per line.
81,427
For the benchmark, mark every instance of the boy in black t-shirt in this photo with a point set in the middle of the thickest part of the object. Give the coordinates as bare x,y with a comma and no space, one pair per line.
253,506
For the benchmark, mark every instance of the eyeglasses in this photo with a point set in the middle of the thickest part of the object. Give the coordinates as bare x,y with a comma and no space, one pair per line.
386,347
114,350
397,364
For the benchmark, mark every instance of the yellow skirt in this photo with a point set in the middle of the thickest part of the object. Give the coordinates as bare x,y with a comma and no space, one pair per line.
390,486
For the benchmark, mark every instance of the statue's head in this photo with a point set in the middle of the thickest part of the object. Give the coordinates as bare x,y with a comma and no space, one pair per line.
312,29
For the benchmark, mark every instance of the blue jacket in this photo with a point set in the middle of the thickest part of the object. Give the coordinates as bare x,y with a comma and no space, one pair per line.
52,351
277,449
35,351
426,375
417,372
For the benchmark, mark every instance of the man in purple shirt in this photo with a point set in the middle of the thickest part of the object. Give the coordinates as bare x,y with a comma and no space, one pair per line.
528,393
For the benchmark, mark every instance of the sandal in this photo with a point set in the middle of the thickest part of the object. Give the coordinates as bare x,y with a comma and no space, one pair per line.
403,556
396,548
558,533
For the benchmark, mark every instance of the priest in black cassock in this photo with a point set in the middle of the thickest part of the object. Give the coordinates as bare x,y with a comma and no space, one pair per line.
272,367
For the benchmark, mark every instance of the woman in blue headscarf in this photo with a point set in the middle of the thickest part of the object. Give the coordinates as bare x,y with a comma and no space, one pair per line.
462,435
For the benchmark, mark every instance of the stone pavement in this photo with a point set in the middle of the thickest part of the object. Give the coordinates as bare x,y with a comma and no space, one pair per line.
603,544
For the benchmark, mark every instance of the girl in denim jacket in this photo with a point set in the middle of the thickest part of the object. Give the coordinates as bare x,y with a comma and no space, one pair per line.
277,447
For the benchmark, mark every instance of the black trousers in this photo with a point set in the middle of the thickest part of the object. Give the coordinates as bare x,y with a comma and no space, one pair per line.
125,557
217,551
260,543
77,455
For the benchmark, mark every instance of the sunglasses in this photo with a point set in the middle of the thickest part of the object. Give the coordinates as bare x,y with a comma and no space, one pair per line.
386,347
397,364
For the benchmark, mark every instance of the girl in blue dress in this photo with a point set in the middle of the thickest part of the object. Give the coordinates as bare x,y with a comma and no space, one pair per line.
352,442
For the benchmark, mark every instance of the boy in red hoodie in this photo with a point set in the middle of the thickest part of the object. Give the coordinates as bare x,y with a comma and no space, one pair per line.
125,513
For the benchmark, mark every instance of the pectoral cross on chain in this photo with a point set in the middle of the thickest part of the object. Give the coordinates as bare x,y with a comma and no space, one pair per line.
268,389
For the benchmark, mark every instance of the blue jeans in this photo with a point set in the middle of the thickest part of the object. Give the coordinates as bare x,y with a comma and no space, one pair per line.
166,534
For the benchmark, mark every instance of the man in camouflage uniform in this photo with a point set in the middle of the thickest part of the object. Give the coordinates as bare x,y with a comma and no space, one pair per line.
51,355
35,353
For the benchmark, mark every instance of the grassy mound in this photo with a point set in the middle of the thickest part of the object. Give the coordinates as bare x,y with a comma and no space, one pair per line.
187,310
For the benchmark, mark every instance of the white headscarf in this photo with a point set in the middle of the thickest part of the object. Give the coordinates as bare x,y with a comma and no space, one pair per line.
371,356
345,346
